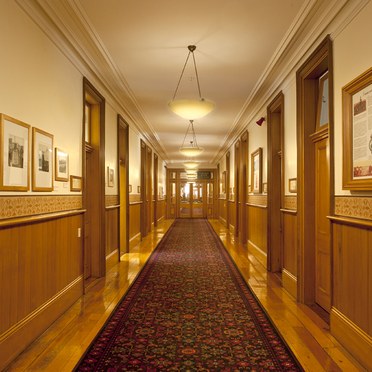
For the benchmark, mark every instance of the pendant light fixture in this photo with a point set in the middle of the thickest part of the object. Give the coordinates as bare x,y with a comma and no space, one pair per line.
191,165
190,109
192,149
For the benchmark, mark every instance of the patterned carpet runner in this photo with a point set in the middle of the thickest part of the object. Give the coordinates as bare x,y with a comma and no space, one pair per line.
188,310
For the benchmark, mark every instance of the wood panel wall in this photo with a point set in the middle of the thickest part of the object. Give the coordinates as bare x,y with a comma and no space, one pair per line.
41,276
112,230
232,215
222,208
351,314
161,209
134,223
257,232
289,264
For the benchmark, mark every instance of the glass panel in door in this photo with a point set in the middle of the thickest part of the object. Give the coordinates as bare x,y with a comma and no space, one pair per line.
185,199
197,200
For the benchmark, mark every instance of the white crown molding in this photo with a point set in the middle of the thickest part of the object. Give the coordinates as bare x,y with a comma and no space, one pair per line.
65,24
317,19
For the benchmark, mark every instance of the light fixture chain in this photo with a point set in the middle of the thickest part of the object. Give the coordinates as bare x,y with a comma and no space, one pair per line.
184,139
193,133
196,74
183,70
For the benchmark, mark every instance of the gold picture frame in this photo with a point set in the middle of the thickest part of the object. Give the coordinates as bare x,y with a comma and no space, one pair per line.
42,160
61,165
256,171
76,183
292,185
14,154
357,137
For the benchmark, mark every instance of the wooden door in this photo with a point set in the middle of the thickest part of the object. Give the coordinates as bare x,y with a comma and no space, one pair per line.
322,224
185,198
198,200
88,215
123,153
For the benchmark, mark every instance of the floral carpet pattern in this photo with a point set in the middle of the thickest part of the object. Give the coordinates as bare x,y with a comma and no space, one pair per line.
188,310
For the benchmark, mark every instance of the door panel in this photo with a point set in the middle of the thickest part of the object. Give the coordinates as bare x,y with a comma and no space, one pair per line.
185,200
197,200
322,226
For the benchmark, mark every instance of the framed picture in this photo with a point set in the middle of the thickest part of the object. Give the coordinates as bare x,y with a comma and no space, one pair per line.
42,160
14,154
61,165
264,188
223,182
357,133
323,104
129,188
110,177
256,171
76,183
292,184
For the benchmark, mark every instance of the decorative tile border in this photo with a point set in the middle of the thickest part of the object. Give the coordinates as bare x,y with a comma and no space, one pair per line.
354,206
111,200
20,206
290,202
134,198
260,200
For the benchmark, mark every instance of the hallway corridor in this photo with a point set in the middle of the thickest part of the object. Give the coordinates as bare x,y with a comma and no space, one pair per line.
62,345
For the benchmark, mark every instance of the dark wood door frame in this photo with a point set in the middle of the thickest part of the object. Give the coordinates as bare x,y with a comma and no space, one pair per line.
228,190
97,201
123,160
156,179
237,188
275,173
243,187
307,95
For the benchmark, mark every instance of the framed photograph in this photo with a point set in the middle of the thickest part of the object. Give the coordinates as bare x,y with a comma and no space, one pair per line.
14,154
264,188
139,189
42,160
129,188
223,182
357,133
292,185
61,165
76,183
256,171
110,177
322,118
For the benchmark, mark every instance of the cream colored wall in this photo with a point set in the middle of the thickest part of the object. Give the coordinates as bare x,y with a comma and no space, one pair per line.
352,55
290,131
222,169
111,149
39,86
134,160
258,138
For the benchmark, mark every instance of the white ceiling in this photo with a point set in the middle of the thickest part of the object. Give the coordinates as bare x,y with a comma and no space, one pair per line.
147,41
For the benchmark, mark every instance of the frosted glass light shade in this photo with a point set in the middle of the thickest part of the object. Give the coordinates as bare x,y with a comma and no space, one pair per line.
191,164
191,109
191,151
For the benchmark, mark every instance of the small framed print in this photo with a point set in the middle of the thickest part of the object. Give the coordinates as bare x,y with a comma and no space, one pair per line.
61,165
256,171
292,185
110,177
42,160
129,188
14,154
76,183
264,188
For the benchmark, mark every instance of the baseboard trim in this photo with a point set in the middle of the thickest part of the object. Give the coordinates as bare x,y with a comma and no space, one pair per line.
232,229
289,283
354,339
18,337
112,259
258,253
223,221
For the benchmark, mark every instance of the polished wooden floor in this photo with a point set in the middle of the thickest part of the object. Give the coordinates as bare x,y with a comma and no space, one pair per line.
62,345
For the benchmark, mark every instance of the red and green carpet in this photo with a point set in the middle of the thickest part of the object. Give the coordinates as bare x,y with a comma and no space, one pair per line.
189,310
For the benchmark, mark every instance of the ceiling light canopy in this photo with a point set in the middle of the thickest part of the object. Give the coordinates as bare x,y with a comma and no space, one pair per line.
191,109
192,149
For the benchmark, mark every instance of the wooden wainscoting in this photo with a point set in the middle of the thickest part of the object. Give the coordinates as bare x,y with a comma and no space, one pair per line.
351,314
134,223
289,254
112,235
232,216
257,232
41,264
160,209
222,207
